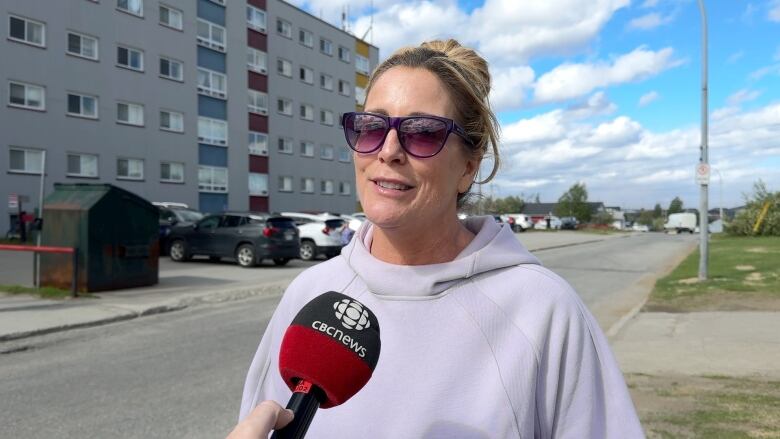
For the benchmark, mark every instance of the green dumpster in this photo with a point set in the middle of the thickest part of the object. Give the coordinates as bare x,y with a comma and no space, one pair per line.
114,231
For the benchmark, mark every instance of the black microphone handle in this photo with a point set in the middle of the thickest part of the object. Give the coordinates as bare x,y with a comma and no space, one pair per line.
304,405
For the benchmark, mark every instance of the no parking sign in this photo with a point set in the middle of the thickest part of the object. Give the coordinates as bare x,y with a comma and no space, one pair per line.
703,173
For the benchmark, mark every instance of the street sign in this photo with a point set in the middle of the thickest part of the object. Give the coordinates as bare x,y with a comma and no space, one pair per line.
703,173
13,201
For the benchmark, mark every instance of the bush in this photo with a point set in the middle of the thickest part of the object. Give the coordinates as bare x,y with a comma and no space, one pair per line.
745,220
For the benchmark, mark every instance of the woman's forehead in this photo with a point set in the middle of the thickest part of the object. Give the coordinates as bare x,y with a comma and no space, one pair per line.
403,91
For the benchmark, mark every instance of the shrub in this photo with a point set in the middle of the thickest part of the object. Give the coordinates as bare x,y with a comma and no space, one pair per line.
745,220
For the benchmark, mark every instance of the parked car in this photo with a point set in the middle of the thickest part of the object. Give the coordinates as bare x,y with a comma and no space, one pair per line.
517,221
320,234
681,222
640,227
173,215
569,223
554,223
354,221
248,237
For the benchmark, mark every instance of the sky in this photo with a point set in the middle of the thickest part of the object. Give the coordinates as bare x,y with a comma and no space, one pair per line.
608,92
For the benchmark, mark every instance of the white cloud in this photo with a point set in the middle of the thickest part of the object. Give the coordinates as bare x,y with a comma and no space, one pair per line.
665,176
742,96
774,11
573,80
649,4
734,57
773,69
509,86
648,98
650,21
777,54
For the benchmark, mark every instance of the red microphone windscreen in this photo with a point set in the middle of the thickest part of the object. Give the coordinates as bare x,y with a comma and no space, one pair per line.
333,342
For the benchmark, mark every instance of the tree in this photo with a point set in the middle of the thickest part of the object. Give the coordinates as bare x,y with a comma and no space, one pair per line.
657,211
646,216
574,202
746,219
676,206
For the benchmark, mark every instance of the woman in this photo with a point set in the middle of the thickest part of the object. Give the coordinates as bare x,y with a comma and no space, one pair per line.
478,339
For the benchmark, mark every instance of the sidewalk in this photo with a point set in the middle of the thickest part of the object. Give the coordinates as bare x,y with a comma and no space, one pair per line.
730,343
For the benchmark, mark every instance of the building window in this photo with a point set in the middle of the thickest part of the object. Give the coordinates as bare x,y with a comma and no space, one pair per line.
130,169
212,179
212,83
345,188
284,145
326,117
255,18
345,154
130,58
218,2
171,69
171,121
22,95
171,17
360,95
82,165
326,187
211,35
284,106
257,60
307,112
284,28
285,183
326,47
307,148
306,75
284,67
326,152
326,81
130,114
258,184
27,31
306,38
212,131
28,161
83,46
135,7
258,102
344,54
361,64
307,185
82,105
345,88
172,172
258,143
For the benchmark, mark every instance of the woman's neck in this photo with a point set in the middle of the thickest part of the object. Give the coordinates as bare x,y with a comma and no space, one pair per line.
421,244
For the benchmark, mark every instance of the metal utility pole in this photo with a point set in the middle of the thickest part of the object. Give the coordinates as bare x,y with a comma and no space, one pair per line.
703,159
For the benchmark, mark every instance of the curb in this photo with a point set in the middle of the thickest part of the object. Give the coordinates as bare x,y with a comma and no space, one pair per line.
227,295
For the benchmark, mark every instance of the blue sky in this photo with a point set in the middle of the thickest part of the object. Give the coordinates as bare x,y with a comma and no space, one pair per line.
607,92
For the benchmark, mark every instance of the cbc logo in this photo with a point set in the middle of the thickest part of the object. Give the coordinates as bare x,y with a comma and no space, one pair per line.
351,314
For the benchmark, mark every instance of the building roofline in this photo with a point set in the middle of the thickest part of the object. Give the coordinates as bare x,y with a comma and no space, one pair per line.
326,23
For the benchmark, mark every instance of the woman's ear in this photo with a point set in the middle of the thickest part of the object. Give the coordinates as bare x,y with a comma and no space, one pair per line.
467,179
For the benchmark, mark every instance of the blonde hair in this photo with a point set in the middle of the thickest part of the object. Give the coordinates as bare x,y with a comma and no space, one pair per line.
466,77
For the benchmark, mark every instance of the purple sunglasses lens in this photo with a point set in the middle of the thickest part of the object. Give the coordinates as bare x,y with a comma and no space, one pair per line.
365,132
423,137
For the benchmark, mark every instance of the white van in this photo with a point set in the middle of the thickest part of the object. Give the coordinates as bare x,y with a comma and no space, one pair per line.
681,222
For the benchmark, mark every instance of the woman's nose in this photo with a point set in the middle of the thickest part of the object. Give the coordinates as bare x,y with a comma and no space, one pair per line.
392,150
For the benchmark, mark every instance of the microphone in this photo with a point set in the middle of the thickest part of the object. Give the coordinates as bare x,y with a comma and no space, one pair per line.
327,355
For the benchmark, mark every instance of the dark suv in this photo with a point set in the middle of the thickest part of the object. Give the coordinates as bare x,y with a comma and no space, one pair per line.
174,216
246,236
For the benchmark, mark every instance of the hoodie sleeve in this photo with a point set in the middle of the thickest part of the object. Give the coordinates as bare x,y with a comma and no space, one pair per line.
581,392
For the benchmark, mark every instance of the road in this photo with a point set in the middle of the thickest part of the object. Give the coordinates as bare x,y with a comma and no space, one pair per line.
180,374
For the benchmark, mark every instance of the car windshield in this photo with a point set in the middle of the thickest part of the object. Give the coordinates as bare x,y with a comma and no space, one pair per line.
334,223
281,223
188,215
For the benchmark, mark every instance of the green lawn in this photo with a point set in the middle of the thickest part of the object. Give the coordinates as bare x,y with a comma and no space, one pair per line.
44,293
744,273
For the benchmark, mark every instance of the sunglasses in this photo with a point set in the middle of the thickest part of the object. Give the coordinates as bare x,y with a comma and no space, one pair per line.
420,136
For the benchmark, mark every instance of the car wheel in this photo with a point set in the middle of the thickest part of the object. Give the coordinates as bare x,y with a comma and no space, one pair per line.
281,261
245,255
178,251
308,250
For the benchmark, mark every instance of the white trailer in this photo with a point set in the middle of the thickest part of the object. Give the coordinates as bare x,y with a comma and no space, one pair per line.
681,222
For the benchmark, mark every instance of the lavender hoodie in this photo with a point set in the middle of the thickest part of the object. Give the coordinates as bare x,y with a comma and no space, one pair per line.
489,345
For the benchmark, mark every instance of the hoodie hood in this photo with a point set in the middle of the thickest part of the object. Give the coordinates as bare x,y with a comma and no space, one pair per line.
494,247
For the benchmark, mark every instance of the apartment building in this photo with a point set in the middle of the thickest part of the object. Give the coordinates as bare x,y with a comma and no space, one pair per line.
218,104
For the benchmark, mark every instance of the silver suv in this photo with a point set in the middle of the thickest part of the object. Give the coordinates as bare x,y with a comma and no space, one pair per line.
320,234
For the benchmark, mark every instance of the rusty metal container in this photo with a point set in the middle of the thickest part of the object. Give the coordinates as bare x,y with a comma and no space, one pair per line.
114,230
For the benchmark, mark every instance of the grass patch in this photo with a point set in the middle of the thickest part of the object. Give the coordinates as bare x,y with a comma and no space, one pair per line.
744,274
706,407
44,293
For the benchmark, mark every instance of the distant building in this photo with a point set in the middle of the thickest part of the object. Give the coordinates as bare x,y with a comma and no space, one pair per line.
217,104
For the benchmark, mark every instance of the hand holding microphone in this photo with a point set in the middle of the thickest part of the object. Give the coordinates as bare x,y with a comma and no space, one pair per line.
327,355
